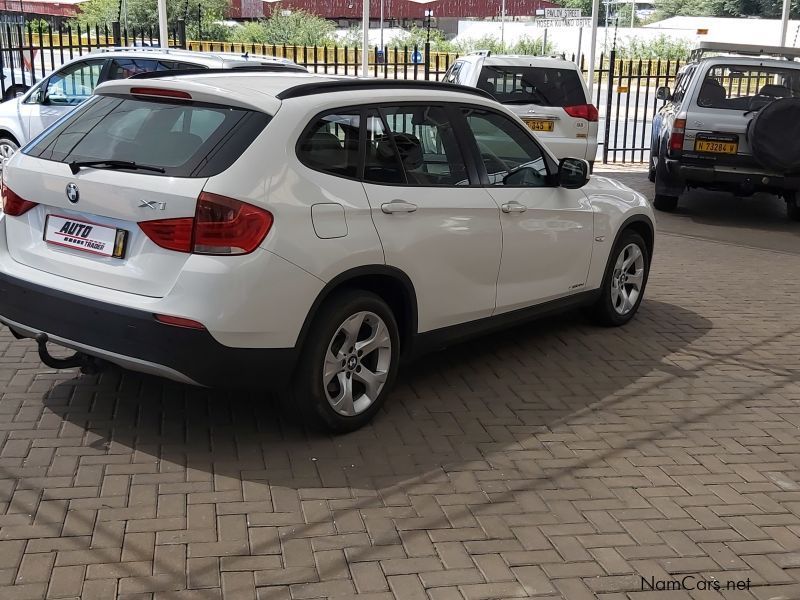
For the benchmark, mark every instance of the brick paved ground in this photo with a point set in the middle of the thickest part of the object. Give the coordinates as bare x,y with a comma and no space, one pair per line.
556,461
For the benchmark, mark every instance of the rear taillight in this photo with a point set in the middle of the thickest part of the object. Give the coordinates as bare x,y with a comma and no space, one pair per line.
582,111
13,205
220,225
677,135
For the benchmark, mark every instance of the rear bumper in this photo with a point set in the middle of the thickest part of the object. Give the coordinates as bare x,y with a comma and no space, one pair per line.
730,178
134,340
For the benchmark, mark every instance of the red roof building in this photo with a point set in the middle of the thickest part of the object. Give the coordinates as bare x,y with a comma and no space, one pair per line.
393,9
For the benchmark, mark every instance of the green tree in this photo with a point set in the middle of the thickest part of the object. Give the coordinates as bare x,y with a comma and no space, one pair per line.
295,28
144,13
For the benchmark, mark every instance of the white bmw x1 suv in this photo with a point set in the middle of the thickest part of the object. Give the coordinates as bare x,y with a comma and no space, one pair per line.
301,232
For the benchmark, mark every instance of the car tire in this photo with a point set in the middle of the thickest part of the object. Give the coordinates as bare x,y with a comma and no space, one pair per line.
665,203
793,208
624,281
651,170
14,91
329,389
8,146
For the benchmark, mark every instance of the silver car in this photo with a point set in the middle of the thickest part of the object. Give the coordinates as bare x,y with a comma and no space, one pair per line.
26,116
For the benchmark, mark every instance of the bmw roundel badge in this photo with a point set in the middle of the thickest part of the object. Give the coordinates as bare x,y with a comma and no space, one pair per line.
73,195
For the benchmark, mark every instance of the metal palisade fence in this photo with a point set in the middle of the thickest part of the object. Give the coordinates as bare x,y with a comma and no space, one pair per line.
624,89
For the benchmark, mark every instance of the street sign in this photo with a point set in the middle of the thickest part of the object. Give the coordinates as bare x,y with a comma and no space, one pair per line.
579,22
562,13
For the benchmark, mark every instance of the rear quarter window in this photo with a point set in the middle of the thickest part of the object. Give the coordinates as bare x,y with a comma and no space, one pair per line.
185,139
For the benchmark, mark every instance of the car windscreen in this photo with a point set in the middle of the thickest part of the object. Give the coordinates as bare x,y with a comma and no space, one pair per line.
544,86
185,139
745,87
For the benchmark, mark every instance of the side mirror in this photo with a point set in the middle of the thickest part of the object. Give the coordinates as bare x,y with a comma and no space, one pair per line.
573,173
663,93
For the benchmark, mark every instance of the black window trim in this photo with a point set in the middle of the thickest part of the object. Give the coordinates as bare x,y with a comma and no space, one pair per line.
474,150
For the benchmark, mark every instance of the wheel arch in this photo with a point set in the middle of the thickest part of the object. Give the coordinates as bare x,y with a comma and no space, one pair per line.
390,283
7,133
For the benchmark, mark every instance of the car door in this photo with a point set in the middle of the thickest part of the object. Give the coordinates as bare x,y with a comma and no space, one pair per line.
435,222
61,93
547,230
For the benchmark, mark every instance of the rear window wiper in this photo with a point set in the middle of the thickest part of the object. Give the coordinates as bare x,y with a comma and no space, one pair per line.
76,166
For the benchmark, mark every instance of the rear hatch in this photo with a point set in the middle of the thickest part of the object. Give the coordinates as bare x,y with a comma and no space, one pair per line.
728,98
552,102
84,221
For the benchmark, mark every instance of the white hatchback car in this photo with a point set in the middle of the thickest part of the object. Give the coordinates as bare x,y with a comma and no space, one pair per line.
548,94
258,230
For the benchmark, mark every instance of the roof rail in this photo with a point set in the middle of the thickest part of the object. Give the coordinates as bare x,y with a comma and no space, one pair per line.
141,49
745,50
349,85
481,53
276,68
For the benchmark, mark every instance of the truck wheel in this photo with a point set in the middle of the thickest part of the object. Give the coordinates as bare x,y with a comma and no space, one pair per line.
665,203
792,207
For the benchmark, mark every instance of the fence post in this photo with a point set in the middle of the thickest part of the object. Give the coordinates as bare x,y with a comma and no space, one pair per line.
427,61
182,33
116,33
609,97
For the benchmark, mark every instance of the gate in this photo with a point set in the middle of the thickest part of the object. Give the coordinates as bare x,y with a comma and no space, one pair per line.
624,90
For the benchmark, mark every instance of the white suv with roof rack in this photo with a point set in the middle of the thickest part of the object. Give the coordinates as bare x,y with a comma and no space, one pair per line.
259,230
732,123
548,94
26,116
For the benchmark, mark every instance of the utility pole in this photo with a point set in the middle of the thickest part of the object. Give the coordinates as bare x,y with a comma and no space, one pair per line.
365,43
163,35
428,17
787,5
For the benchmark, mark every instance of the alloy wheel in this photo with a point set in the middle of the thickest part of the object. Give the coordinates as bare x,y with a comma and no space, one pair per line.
357,363
627,280
7,150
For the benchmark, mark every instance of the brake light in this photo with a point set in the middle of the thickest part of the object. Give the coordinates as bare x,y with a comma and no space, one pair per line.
677,135
582,111
179,322
161,93
220,226
13,205
172,234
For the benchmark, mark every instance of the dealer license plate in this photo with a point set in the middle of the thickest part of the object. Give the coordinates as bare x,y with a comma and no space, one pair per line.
716,146
85,236
539,124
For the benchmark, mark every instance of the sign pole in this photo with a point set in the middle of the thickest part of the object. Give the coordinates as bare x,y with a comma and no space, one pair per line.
593,44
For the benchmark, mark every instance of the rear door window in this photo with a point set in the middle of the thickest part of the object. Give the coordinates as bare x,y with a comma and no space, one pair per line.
427,145
186,140
543,86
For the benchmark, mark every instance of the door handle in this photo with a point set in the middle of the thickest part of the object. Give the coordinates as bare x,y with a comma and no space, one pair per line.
398,206
513,207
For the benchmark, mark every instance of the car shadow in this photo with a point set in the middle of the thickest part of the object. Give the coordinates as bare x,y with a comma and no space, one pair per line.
449,409
705,213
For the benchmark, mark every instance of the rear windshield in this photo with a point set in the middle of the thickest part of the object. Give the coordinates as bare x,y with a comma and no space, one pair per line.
533,85
184,139
738,87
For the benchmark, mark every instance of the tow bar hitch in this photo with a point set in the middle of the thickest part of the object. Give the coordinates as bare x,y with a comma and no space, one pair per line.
89,365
